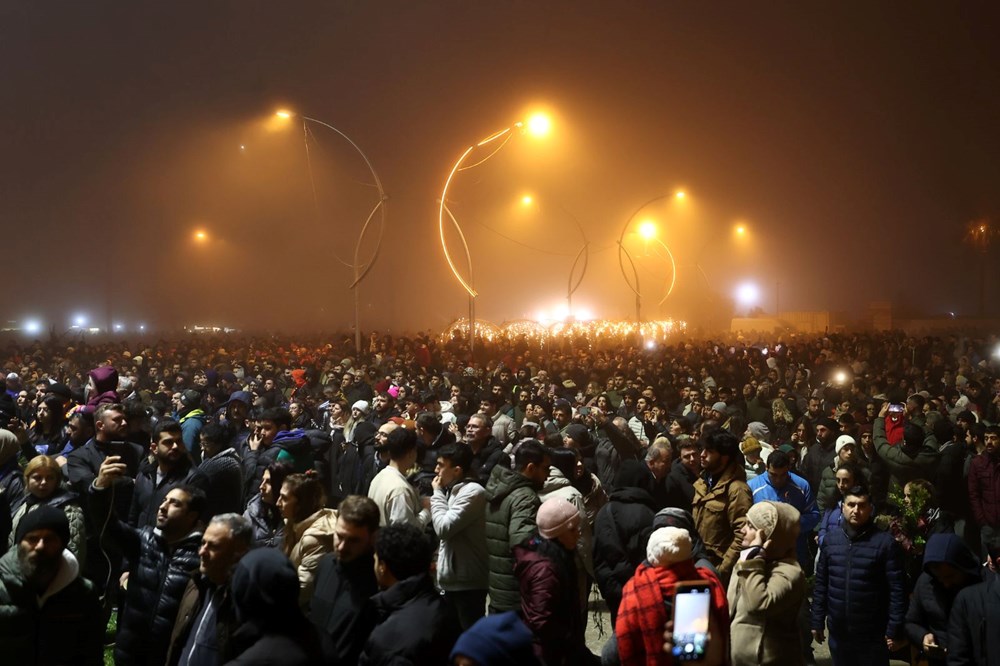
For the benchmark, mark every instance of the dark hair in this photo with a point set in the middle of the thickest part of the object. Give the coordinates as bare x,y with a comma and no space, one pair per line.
778,460
361,511
404,549
913,435
308,491
724,442
529,451
978,431
850,466
429,422
279,471
459,455
197,501
400,442
859,490
215,433
993,430
279,415
166,425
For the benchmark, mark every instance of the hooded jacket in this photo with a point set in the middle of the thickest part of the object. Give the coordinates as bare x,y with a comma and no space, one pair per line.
510,521
272,629
931,604
65,628
972,636
765,595
105,380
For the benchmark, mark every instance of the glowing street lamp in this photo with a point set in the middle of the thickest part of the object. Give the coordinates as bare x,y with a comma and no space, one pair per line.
361,269
748,294
200,236
527,200
538,125
680,195
647,230
32,327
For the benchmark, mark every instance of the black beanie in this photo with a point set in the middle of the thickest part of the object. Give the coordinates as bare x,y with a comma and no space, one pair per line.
44,518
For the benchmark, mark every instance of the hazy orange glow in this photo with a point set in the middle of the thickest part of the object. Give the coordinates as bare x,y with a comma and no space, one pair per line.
647,229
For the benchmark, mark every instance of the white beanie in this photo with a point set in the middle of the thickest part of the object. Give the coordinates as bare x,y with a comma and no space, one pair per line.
667,546
843,441
362,405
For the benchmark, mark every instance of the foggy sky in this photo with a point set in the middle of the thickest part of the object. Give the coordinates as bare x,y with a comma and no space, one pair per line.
855,140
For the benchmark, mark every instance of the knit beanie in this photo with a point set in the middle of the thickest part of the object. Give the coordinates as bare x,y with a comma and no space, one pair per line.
758,431
668,545
497,640
843,441
719,407
361,405
557,516
44,518
750,445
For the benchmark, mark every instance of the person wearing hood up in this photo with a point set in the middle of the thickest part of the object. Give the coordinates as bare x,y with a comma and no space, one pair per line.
102,387
949,567
767,589
272,628
192,419
972,636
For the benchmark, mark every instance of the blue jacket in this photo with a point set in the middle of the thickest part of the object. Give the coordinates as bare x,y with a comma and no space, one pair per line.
830,521
860,586
797,493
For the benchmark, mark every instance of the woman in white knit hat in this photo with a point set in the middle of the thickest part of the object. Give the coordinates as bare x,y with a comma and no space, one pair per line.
546,570
648,597
767,589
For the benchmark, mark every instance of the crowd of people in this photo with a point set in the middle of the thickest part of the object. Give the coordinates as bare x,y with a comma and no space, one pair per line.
243,500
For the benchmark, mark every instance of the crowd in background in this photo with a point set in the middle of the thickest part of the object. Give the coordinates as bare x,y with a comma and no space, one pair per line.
245,500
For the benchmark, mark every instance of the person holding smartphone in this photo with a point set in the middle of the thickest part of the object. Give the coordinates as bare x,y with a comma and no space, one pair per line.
669,588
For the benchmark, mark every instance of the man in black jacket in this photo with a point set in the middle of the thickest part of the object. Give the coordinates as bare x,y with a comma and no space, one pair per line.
223,472
972,636
414,624
340,607
171,467
163,560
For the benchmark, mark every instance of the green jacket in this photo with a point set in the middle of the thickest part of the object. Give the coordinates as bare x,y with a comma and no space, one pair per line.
906,463
510,521
68,627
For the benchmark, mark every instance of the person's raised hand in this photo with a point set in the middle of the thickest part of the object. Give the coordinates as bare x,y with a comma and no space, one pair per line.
111,469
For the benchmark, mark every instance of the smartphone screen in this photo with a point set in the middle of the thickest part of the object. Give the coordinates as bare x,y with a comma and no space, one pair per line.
896,409
692,605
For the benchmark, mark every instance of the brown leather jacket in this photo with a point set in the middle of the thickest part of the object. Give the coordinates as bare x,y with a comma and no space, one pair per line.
719,515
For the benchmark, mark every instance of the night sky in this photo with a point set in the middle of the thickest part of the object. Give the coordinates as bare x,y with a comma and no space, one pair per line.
854,140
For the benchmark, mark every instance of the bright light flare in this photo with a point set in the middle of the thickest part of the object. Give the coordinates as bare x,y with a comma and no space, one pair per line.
539,124
748,293
680,195
200,236
284,114
527,200
32,326
840,377
118,327
80,320
647,229
741,230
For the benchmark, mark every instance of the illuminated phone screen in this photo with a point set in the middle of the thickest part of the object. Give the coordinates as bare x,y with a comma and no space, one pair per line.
691,610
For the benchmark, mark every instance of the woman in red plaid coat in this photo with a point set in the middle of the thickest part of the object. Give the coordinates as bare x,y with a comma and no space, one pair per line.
643,614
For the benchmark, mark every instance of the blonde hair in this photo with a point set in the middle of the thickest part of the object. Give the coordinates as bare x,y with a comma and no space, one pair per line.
42,462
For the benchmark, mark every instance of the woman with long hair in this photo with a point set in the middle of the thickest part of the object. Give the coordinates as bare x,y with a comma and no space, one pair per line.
309,527
262,509
42,487
46,435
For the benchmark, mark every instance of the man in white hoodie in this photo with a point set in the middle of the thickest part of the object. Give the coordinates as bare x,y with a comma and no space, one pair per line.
48,613
458,513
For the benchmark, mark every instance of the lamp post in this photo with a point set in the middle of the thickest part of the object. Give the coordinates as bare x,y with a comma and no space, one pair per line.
360,270
583,253
538,125
648,231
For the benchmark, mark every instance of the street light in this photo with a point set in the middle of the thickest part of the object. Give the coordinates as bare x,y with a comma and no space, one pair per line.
647,230
360,269
582,253
538,125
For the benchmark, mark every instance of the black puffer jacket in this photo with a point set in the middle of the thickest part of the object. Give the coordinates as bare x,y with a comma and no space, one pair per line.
931,604
156,583
265,519
621,532
149,495
488,457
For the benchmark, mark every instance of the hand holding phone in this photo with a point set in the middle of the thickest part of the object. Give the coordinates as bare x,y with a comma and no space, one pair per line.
692,609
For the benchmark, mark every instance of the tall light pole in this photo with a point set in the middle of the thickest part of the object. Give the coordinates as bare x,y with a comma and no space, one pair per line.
539,125
360,269
583,253
648,231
